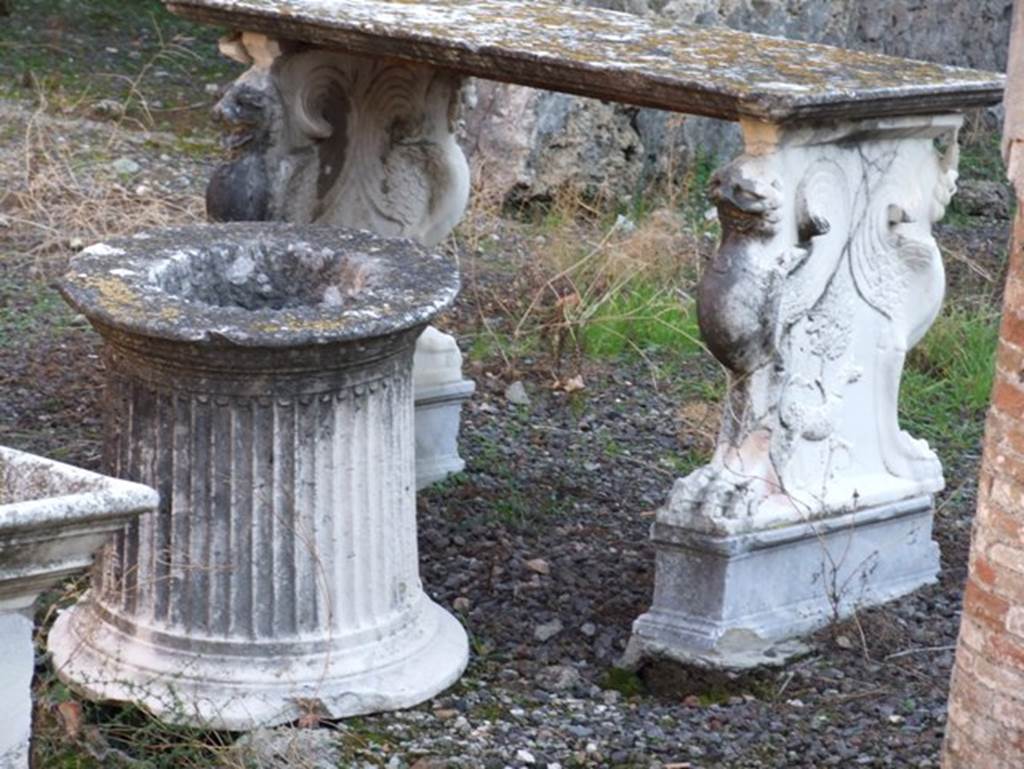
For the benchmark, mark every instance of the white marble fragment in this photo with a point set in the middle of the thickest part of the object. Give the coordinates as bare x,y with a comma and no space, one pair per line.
53,517
440,393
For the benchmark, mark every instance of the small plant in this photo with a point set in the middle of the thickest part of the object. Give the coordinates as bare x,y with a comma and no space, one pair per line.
625,682
948,379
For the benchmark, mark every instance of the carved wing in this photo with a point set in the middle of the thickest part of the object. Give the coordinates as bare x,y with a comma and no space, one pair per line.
878,272
823,225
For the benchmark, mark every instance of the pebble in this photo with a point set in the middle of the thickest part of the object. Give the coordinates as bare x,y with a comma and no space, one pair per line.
107,109
538,565
525,757
548,630
125,166
516,394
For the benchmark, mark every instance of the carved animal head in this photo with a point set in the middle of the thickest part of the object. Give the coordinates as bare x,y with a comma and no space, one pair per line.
748,197
324,136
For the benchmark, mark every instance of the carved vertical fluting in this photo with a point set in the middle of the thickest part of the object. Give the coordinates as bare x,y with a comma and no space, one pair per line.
279,572
280,516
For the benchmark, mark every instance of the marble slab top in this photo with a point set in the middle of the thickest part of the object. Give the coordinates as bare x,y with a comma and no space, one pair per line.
715,71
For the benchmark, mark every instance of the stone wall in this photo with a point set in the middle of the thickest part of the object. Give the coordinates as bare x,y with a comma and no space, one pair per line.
526,144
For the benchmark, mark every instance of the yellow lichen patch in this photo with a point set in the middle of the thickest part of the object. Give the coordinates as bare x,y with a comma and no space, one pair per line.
113,294
290,323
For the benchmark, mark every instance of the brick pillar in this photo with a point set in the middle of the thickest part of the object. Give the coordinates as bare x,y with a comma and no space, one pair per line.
985,729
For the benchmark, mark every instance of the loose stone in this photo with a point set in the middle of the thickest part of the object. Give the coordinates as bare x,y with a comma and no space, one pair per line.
548,630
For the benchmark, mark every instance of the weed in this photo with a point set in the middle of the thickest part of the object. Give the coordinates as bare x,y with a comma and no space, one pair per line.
642,319
948,379
625,682
64,196
981,155
685,462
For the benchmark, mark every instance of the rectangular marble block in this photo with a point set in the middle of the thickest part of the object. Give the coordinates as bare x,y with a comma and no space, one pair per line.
438,415
739,601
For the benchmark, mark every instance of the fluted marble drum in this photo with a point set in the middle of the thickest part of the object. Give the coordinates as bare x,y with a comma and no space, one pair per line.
259,376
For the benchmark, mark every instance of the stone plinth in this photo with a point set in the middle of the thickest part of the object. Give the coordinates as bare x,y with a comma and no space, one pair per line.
261,377
53,518
739,601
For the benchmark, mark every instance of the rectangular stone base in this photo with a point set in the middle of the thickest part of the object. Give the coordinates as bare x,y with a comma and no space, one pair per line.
737,601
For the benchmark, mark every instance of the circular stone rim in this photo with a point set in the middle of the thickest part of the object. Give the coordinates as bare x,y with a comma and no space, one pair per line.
109,283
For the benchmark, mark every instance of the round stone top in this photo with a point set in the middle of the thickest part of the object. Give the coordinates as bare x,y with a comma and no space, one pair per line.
259,284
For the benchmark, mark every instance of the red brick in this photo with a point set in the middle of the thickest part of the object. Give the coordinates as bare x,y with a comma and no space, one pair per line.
1010,355
1005,556
1009,584
984,606
1005,493
1001,525
986,712
1012,329
994,676
1006,465
1006,650
1008,399
982,570
1005,432
1013,295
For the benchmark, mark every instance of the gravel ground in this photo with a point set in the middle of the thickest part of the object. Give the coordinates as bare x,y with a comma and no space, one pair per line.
541,545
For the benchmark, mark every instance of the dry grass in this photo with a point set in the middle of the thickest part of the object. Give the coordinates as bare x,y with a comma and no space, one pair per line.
587,282
60,193
697,424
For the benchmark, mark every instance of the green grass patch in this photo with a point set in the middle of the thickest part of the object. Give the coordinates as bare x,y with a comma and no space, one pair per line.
489,345
28,316
641,319
981,156
625,682
684,462
133,52
948,379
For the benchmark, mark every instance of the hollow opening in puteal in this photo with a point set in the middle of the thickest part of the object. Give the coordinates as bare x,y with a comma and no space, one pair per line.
265,275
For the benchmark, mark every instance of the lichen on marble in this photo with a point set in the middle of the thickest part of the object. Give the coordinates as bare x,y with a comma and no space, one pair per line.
712,71
260,285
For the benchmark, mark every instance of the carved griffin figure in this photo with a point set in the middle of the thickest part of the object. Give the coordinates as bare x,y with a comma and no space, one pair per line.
821,285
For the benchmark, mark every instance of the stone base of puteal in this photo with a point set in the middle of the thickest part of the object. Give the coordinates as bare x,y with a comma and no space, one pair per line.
737,601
